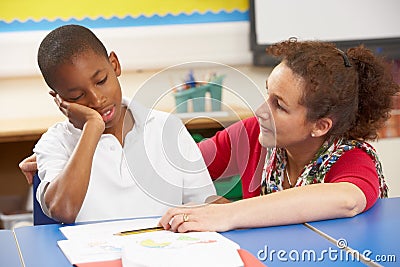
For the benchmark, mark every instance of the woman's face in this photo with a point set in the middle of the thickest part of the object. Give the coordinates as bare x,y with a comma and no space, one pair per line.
282,119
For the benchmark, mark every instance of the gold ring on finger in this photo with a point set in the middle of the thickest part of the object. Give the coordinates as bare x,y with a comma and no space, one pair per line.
185,217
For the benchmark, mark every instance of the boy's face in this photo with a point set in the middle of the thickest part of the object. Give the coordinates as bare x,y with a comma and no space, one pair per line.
91,80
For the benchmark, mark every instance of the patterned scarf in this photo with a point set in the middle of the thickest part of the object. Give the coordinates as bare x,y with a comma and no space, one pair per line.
316,170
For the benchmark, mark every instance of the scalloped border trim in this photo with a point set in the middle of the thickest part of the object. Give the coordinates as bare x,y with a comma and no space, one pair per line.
128,21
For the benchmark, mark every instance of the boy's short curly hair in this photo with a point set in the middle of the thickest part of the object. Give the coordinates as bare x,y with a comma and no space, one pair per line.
62,44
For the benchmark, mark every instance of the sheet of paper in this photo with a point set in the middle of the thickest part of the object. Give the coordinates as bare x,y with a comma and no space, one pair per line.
84,251
97,243
105,230
193,249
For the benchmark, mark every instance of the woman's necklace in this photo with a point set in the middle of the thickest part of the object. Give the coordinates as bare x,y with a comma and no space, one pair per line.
288,178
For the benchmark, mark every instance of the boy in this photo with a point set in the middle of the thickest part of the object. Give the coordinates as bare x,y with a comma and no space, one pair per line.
112,159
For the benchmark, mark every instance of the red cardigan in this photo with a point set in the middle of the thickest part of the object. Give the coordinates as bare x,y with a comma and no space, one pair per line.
236,151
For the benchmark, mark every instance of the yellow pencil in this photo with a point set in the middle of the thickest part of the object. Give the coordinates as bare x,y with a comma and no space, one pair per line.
140,231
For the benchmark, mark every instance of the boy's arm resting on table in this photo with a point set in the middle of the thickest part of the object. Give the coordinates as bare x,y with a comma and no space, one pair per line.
291,206
63,196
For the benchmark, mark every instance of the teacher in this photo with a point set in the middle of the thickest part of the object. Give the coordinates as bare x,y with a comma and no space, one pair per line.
305,156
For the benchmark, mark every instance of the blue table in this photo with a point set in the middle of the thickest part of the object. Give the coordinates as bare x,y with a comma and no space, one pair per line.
9,254
38,245
377,230
295,243
376,233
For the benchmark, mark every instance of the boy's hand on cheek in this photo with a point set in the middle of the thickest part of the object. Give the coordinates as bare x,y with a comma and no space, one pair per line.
79,114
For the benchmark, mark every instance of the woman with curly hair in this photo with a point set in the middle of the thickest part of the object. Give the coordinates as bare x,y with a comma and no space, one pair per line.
305,156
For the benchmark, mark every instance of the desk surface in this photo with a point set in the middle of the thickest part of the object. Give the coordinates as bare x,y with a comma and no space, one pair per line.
299,246
9,255
376,230
38,245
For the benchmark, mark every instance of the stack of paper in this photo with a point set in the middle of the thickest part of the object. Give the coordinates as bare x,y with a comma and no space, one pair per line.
98,243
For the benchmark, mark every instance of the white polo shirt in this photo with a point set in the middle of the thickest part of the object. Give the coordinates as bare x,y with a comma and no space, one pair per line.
159,166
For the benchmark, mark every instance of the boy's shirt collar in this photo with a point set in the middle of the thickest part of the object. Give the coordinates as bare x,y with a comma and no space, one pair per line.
140,113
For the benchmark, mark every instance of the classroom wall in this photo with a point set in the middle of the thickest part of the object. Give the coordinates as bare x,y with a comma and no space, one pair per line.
141,48
147,34
387,149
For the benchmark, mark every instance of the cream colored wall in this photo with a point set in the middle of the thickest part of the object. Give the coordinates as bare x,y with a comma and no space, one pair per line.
140,48
388,150
28,96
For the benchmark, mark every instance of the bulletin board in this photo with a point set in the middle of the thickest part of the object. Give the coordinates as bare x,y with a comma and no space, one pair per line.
19,15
